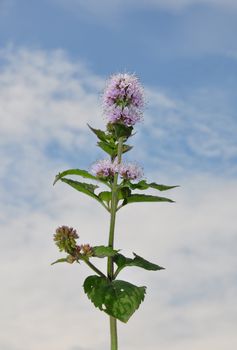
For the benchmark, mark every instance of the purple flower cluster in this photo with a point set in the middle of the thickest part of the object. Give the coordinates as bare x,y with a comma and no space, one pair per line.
130,171
105,168
123,99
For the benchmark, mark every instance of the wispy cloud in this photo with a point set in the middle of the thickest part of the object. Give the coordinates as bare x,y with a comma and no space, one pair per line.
40,91
46,101
198,134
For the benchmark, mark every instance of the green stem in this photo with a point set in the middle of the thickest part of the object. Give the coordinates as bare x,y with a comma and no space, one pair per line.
110,268
117,272
114,203
105,206
113,333
94,268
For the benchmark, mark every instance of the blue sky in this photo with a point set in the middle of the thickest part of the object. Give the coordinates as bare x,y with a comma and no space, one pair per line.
55,56
176,48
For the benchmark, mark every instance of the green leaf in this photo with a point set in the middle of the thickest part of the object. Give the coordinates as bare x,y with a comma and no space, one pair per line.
111,148
161,187
105,196
105,146
145,264
126,148
143,185
117,298
99,133
93,287
121,261
120,130
60,261
83,187
137,197
79,172
103,251
124,192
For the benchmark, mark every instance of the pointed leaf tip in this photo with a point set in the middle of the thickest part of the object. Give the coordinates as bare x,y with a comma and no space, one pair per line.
59,261
57,177
121,261
99,133
79,172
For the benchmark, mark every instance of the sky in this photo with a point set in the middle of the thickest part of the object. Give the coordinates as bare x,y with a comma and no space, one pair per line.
55,57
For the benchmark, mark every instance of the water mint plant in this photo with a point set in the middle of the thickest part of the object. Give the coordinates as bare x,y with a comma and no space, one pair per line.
123,102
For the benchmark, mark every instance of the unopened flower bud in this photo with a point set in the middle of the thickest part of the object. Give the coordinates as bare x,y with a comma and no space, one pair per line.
71,259
77,250
86,249
65,238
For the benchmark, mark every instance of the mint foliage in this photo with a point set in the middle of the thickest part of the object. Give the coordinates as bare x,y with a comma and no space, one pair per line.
161,187
124,192
121,261
99,133
126,148
105,196
79,172
111,149
143,185
103,251
137,197
108,141
83,187
120,130
62,260
117,298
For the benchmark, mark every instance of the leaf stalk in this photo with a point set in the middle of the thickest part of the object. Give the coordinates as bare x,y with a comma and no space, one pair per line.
94,268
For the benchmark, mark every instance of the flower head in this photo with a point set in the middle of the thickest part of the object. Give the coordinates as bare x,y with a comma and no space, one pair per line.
65,238
104,168
87,250
123,99
130,171
128,115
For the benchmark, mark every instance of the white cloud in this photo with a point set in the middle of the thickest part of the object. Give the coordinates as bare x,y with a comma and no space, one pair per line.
40,91
45,100
189,305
